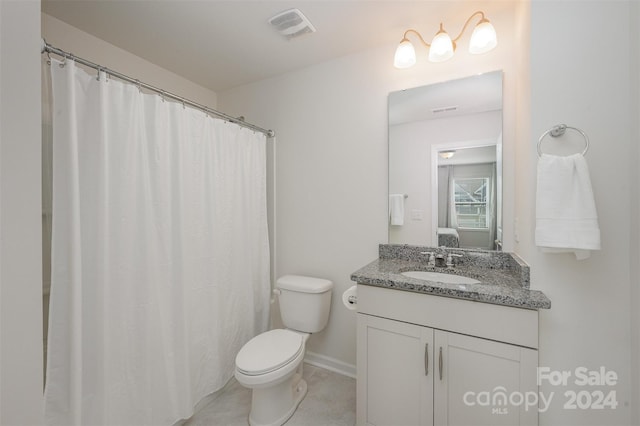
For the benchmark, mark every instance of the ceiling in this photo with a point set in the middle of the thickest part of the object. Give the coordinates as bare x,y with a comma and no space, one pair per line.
470,95
223,44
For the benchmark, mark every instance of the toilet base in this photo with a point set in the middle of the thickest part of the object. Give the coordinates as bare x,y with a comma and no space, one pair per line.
273,406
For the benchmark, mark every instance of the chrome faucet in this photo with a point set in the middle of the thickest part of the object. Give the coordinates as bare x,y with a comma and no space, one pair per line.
432,259
436,257
440,256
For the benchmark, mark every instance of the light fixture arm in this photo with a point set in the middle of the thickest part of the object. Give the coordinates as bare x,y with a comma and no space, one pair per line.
466,24
404,37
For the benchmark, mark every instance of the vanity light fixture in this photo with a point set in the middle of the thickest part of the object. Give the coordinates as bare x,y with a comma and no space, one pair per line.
442,46
447,154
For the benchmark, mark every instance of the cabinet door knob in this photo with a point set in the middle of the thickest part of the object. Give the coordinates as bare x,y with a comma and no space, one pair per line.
426,359
440,363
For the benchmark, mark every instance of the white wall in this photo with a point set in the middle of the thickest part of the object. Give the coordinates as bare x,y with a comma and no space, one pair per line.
20,247
84,45
581,78
331,126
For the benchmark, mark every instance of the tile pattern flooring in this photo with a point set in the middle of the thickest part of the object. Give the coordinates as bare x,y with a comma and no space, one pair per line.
330,401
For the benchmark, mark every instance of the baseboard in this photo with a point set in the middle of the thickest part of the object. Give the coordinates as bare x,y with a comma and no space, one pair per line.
330,364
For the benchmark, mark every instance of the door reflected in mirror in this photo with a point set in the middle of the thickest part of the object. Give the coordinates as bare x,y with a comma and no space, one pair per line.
467,198
445,164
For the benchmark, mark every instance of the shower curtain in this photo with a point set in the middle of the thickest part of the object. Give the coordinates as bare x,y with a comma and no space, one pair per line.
160,253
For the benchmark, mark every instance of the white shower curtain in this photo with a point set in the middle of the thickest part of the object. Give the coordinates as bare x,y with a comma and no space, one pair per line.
160,253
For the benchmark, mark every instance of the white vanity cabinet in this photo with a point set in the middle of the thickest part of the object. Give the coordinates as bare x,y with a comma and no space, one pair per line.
426,360
395,372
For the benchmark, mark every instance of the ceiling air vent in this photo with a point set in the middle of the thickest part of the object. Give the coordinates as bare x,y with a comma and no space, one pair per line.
292,23
444,109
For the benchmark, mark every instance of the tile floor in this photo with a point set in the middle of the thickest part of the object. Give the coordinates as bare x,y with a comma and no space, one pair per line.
330,401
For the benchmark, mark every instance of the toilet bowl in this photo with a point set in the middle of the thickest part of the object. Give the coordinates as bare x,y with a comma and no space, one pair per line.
270,364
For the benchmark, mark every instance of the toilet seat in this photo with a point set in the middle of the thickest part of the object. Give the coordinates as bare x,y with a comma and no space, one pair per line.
269,352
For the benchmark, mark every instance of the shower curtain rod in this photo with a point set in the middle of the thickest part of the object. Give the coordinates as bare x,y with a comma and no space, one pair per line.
47,48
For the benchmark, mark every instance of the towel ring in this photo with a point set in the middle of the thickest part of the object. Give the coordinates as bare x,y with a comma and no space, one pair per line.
559,130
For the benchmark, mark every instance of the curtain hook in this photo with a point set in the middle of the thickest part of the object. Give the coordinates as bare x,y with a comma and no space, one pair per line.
64,61
162,95
138,86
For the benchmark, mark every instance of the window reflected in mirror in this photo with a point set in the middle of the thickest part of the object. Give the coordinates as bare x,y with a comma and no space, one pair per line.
467,199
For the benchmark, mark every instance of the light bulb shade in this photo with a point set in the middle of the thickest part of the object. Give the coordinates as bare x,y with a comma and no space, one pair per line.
405,56
447,154
483,38
441,47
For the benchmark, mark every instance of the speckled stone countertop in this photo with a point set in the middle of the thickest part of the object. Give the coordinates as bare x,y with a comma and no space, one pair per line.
504,277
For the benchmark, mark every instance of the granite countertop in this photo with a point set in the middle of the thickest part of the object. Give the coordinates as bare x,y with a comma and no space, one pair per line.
504,277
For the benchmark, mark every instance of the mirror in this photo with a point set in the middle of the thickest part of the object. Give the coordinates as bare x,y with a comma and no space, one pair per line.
445,164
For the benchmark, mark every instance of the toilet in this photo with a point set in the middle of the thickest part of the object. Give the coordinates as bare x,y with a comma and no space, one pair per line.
270,364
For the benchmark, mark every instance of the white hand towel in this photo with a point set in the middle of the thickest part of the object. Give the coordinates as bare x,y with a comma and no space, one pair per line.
396,209
566,217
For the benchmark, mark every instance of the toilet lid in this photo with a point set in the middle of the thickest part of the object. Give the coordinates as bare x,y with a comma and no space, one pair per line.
269,351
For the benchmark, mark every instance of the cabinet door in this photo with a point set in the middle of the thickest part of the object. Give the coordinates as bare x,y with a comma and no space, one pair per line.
473,378
395,373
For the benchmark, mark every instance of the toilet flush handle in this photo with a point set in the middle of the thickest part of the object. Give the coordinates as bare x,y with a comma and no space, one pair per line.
276,292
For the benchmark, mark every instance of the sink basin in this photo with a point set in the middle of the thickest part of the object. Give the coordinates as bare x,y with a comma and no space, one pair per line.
440,277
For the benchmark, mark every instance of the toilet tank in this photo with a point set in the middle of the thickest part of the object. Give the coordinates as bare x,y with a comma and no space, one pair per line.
304,302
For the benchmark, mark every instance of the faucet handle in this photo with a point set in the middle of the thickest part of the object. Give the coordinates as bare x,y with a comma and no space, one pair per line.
450,258
432,257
